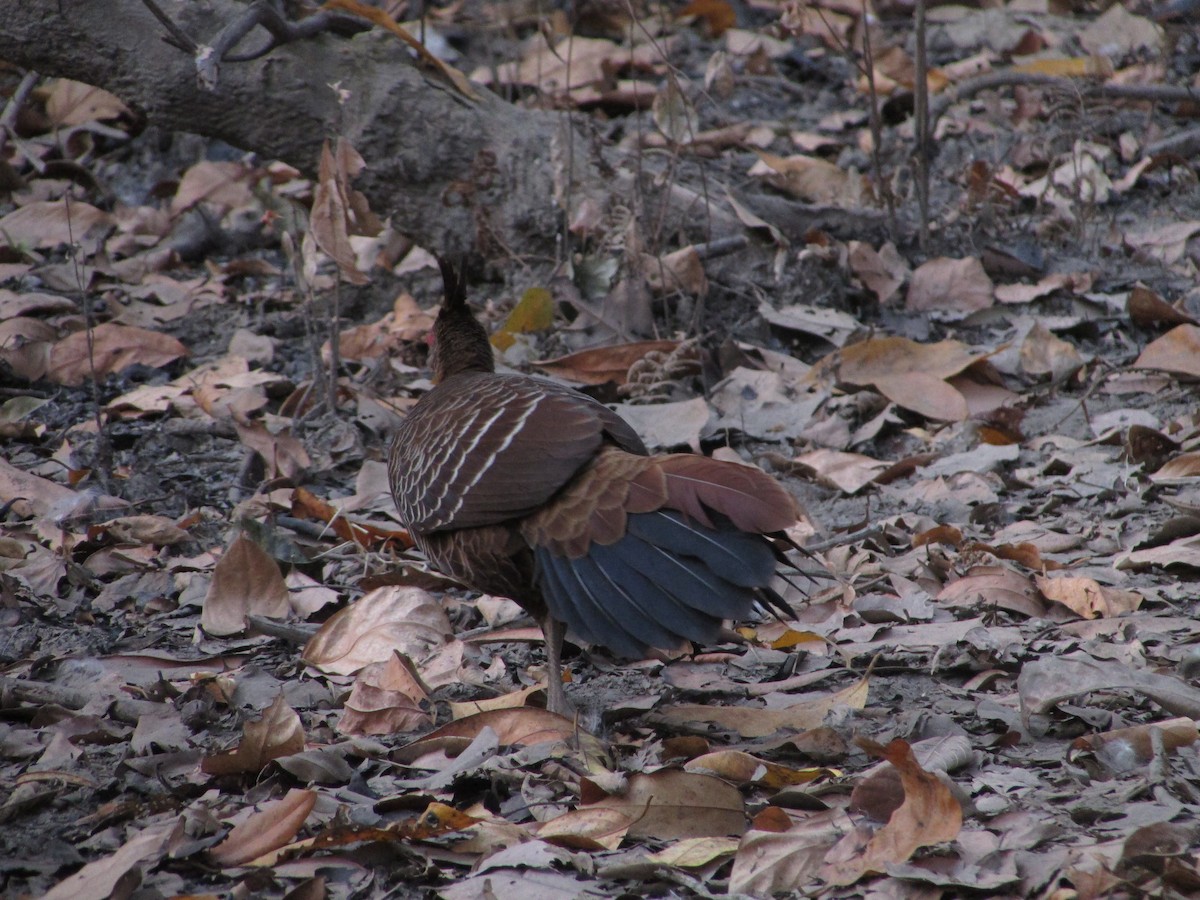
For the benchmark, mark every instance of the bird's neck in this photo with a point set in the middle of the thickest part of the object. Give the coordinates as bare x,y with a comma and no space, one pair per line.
460,345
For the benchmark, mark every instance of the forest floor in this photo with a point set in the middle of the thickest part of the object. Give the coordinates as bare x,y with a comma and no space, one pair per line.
990,686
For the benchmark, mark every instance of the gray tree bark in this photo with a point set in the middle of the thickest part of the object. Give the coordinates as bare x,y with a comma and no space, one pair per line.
456,174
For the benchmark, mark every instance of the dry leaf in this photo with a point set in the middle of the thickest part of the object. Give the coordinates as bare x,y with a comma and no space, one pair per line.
268,829
114,348
387,620
956,286
246,582
1177,351
277,733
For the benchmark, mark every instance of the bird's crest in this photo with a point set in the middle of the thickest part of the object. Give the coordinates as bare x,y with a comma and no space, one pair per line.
453,283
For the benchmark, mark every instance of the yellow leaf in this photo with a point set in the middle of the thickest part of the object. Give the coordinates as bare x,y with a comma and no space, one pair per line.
534,312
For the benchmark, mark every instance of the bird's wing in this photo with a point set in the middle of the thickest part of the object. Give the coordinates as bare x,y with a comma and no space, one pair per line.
482,449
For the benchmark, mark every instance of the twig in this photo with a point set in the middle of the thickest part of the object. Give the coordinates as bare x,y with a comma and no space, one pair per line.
13,108
921,149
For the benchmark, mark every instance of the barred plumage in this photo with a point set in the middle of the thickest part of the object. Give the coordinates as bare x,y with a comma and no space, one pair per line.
521,487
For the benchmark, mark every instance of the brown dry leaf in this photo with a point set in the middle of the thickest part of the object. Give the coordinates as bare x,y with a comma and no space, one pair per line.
848,472
740,768
695,853
339,211
956,286
1117,33
157,530
670,805
572,63
881,271
813,180
600,365
387,620
1087,597
994,586
277,733
1181,469
513,728
719,15
1162,243
682,271
75,103
25,346
909,374
224,185
246,582
511,700
1027,293
753,722
283,453
1135,744
930,814
268,829
1147,309
668,425
588,829
48,223
1067,67
387,698
114,349
1044,353
406,323
32,495
1177,351
769,862
105,878
831,26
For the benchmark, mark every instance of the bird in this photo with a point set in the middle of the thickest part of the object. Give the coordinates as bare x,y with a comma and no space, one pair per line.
520,487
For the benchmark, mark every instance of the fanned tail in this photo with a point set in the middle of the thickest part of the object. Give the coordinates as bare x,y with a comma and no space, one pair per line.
661,551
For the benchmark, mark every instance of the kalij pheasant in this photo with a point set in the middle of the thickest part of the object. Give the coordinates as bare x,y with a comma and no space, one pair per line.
523,488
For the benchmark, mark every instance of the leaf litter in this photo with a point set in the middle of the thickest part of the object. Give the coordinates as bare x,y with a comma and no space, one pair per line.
219,666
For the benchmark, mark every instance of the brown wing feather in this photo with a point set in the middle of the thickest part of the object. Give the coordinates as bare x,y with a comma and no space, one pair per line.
751,499
481,449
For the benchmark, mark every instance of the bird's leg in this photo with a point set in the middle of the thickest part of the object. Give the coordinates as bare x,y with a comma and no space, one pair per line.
556,697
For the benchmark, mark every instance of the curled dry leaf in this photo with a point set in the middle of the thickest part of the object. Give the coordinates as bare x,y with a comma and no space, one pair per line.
277,733
1088,597
740,768
1048,680
268,829
246,582
339,211
223,185
282,452
387,698
770,861
930,814
1125,748
387,620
